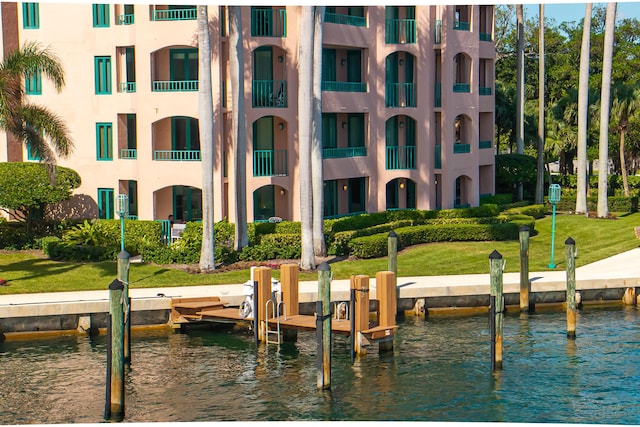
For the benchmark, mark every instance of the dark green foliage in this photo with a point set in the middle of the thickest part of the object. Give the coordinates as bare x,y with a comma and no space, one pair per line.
536,211
340,244
473,212
614,203
497,199
258,229
273,246
512,169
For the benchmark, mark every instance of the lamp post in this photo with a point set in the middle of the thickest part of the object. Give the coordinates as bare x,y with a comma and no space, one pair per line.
554,198
123,276
123,211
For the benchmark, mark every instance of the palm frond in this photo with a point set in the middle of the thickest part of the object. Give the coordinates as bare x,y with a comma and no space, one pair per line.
53,128
32,58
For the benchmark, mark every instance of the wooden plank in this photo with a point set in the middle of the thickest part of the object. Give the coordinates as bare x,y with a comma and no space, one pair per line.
199,304
379,332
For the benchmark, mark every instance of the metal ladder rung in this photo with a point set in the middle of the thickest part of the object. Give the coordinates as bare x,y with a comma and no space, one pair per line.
276,314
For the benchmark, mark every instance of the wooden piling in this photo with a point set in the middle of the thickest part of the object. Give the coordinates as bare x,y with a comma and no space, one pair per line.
495,261
361,313
116,313
123,276
392,251
323,326
629,296
387,304
525,283
352,316
289,285
570,252
263,276
107,399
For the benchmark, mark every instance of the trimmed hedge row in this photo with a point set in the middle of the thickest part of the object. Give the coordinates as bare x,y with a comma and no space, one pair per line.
341,239
274,246
614,203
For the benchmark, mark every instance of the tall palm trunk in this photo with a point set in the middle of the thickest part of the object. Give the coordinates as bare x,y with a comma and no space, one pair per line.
305,99
541,79
205,121
238,128
607,59
583,104
317,177
520,86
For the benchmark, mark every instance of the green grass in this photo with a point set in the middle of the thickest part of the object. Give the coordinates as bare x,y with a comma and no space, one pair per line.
595,239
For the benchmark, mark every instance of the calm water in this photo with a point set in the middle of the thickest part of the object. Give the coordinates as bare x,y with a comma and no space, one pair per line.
440,371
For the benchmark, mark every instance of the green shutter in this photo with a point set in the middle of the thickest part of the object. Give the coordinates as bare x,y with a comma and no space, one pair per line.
104,141
102,66
105,203
33,83
329,130
30,15
100,15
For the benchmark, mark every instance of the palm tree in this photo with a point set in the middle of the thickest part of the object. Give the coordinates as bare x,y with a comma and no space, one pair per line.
239,127
520,86
607,60
205,123
319,248
43,131
625,102
305,99
583,102
540,157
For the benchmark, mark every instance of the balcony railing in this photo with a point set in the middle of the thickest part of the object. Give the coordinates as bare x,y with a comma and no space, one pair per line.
126,19
437,36
462,26
400,95
342,153
128,153
268,23
129,87
269,93
400,31
462,87
438,95
175,86
401,158
485,144
485,37
437,157
459,148
181,155
270,163
344,86
175,15
339,18
484,91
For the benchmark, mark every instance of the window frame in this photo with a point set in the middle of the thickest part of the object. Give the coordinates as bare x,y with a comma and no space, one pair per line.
106,212
102,75
100,15
104,141
30,16
33,83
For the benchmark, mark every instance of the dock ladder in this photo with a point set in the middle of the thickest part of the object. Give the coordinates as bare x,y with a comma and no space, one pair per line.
276,309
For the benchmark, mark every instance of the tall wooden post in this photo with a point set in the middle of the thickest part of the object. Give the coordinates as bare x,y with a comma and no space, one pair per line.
361,312
392,251
387,305
289,283
323,326
263,276
116,312
525,283
570,252
495,261
123,276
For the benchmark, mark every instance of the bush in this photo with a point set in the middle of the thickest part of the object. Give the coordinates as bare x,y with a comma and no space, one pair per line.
273,246
340,243
497,199
536,211
614,203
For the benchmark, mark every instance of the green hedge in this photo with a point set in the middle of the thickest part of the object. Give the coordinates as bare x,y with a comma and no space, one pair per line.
340,243
614,203
274,246
536,211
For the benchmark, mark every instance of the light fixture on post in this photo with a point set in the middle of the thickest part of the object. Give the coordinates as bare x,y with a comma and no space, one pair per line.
401,125
401,62
280,58
344,187
343,62
401,185
281,126
282,191
123,211
344,125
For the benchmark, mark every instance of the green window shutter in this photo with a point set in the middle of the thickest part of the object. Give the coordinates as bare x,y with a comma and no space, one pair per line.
328,65
105,203
102,65
356,129
104,141
30,15
100,15
330,198
33,83
354,66
132,134
132,192
329,130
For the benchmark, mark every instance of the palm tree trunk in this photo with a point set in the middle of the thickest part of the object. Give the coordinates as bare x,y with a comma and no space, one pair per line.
305,99
583,103
607,59
317,176
205,121
541,79
239,128
520,86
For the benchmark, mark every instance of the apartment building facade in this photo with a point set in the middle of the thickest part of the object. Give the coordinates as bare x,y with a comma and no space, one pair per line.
407,101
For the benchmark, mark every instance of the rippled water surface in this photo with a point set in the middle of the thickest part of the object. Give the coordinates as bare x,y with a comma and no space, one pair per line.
439,371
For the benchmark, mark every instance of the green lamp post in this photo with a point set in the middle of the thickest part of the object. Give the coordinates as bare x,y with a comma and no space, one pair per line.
123,276
123,211
554,198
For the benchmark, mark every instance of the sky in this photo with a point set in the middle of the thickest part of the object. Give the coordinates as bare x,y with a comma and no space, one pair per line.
567,12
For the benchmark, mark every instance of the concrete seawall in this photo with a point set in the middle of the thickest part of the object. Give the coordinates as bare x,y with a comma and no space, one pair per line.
67,312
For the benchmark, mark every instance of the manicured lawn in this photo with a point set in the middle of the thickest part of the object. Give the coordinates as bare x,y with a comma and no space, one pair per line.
596,239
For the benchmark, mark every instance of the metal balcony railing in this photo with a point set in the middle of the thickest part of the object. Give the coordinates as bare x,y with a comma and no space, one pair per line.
400,95
269,93
175,15
343,19
400,31
342,153
461,26
485,144
459,148
401,158
484,91
462,87
128,87
268,23
485,37
344,86
175,86
128,153
270,163
180,155
126,19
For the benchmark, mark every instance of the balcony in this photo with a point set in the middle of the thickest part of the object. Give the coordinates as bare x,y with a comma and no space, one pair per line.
400,95
462,87
128,153
127,87
438,95
344,86
459,148
179,155
268,22
400,31
401,158
437,156
343,153
269,93
175,14
484,91
437,36
270,163
339,18
485,144
485,37
125,19
461,26
175,86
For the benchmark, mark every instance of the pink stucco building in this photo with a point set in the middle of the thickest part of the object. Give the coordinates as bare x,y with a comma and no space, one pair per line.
408,105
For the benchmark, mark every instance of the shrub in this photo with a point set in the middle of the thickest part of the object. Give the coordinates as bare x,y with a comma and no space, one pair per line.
615,204
340,244
496,199
536,211
272,246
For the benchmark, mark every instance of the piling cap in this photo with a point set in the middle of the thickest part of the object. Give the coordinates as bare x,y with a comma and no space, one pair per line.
524,228
123,254
569,241
324,267
116,285
393,234
495,255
